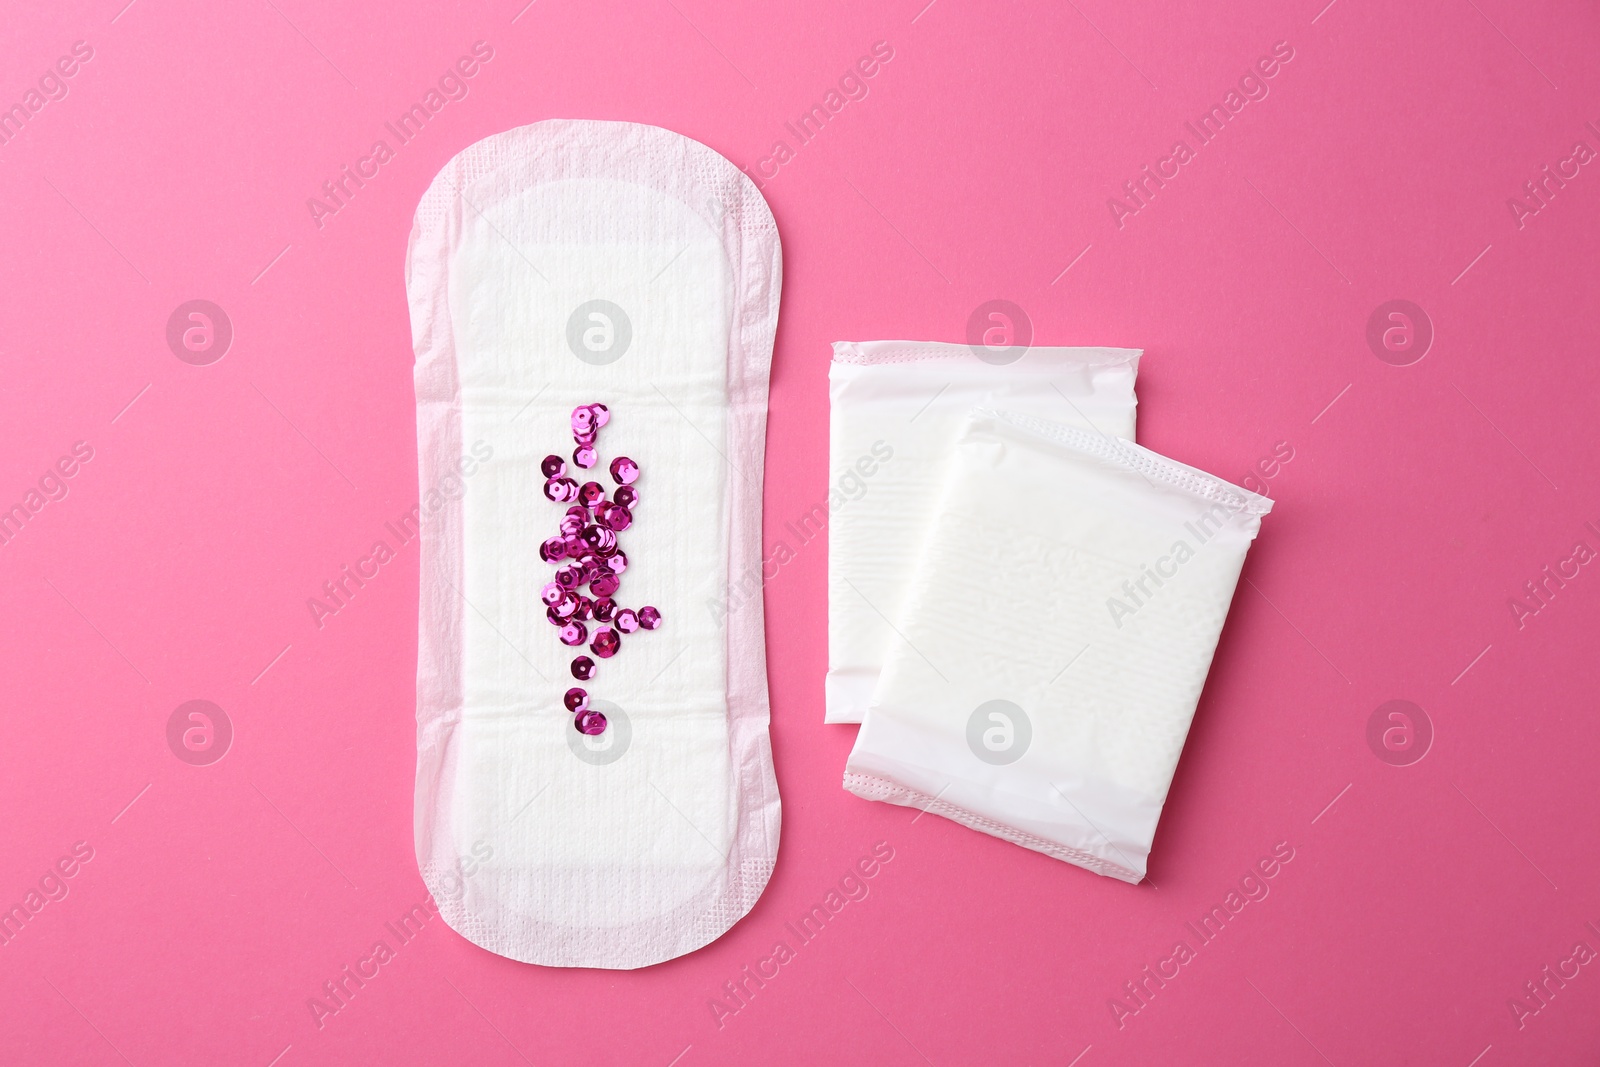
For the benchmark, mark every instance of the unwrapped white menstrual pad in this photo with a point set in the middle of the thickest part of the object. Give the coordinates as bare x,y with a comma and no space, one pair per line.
894,408
559,264
1058,628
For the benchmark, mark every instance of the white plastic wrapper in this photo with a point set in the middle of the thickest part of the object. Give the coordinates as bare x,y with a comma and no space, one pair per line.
560,264
1057,632
894,409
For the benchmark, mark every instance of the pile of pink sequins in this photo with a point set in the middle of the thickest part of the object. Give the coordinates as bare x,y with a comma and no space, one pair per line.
587,544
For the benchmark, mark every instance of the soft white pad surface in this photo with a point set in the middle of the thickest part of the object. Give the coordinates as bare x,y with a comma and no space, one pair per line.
894,409
1058,629
652,839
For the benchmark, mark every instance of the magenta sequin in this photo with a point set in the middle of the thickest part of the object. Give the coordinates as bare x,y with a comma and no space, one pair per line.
553,466
605,643
624,470
576,699
574,633
585,456
561,490
626,620
649,617
583,668
627,496
589,722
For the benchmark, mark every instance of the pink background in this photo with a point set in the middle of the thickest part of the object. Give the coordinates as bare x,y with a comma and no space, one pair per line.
220,898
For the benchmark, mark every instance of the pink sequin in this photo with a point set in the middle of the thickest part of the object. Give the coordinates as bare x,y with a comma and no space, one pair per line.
624,470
